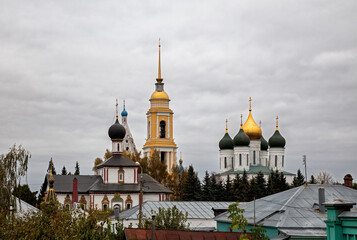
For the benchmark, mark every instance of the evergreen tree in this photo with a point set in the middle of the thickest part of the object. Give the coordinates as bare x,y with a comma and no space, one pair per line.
299,179
192,186
252,192
64,171
214,188
273,183
283,185
237,186
76,172
312,180
220,192
24,193
206,188
42,192
228,189
245,187
261,185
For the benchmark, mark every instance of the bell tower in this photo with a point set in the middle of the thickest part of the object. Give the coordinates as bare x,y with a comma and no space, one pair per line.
160,135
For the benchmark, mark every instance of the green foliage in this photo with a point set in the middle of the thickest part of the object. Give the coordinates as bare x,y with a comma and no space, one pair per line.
228,190
261,188
13,166
54,222
192,186
236,215
64,171
355,186
312,180
299,179
171,218
76,172
107,154
42,193
257,233
206,188
24,193
157,169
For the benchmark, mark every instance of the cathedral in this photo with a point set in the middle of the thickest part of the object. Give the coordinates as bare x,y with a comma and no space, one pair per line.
116,185
248,151
160,126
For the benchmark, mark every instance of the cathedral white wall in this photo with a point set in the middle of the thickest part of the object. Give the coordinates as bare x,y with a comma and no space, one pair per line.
254,148
279,153
226,159
113,176
244,152
264,158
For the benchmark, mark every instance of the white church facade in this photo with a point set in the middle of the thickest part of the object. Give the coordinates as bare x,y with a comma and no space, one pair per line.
248,151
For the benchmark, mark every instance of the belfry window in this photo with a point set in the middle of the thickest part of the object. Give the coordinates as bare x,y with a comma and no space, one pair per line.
149,129
254,157
276,160
162,129
240,159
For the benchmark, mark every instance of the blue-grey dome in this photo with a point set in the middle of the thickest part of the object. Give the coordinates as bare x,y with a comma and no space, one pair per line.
124,113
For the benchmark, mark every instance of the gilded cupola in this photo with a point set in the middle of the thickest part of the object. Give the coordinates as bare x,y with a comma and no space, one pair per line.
250,127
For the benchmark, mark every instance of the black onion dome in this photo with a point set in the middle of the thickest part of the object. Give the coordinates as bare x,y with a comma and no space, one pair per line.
277,141
263,144
116,131
241,139
226,142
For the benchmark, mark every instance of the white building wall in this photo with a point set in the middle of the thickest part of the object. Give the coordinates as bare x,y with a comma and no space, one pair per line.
254,148
226,159
279,153
244,152
264,158
113,176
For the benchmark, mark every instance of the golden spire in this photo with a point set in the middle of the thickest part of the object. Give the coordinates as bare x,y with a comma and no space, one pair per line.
250,103
159,79
226,125
116,108
277,123
260,124
180,161
241,120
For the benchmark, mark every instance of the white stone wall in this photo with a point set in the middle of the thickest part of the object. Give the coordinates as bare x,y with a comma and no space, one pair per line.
227,156
129,174
279,153
244,152
254,147
264,158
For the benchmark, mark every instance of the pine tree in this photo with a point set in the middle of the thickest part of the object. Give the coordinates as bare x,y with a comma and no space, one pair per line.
192,186
228,189
245,187
76,172
261,185
283,185
64,171
252,192
273,183
42,192
206,188
220,192
299,179
237,186
312,180
214,188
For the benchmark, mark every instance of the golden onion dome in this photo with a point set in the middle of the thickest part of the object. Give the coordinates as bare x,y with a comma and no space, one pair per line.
250,127
159,95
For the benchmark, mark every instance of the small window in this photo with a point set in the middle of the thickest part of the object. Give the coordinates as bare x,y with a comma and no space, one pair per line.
240,159
105,207
225,162
128,205
120,176
247,160
149,129
118,147
126,141
232,163
254,157
282,161
276,160
162,129
127,148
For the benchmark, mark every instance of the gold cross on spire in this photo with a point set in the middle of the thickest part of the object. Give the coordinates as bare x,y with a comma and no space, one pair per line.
116,108
226,125
277,122
260,124
250,103
241,120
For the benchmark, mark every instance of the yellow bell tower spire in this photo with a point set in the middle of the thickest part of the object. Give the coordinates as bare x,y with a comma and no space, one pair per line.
160,135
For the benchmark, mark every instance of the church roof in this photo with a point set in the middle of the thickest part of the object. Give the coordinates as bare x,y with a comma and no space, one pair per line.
94,183
254,170
117,160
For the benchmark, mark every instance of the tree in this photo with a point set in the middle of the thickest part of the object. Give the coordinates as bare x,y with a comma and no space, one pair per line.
107,154
42,192
228,190
299,179
206,188
253,188
258,233
261,185
192,186
76,169
237,186
283,185
170,218
324,178
245,187
236,215
157,169
173,182
312,180
13,166
64,171
97,161
215,194
24,193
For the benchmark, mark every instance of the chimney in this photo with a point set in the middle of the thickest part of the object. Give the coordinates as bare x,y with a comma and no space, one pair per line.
75,190
348,180
321,200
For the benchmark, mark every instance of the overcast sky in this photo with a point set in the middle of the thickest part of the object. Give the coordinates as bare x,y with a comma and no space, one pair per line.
63,64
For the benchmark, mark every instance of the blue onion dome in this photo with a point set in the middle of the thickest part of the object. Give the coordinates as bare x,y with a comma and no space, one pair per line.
263,144
226,142
277,141
124,113
241,139
116,131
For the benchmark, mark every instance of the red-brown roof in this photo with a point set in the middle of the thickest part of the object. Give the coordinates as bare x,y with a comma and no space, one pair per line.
145,234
